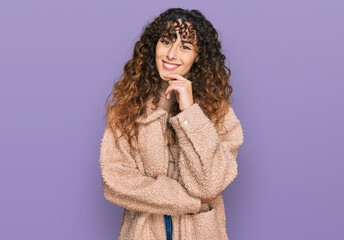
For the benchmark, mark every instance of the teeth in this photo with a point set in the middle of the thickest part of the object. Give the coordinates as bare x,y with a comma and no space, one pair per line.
170,65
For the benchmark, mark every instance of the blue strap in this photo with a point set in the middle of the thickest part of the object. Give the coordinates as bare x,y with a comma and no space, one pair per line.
169,226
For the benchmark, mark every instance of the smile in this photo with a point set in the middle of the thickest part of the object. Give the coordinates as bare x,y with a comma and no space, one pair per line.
169,66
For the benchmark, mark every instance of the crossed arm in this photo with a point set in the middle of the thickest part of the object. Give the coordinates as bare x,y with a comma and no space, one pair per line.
207,165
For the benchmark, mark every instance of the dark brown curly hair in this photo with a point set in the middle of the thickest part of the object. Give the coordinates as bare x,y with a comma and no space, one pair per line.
140,79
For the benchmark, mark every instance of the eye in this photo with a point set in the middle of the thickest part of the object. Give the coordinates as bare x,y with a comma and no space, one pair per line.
186,47
164,41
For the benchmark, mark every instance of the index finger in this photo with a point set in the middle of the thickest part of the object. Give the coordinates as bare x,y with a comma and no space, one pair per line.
176,76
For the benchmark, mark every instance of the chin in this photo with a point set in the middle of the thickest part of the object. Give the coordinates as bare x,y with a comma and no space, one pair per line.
165,79
161,76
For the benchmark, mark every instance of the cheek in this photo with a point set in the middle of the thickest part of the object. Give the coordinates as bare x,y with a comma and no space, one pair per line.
157,54
159,50
190,60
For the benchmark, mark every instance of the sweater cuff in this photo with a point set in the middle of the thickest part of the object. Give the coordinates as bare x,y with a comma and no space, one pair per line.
191,119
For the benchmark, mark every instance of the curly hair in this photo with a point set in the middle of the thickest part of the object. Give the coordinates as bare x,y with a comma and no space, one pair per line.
140,79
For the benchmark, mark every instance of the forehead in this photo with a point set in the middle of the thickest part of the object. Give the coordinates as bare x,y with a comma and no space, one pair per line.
183,28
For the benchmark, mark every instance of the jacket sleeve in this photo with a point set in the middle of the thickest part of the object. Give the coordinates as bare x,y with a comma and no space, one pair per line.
207,159
124,185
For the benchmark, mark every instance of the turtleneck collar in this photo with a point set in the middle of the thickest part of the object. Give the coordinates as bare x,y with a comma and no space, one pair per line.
165,103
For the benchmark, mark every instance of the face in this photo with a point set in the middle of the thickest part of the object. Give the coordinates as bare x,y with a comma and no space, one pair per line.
174,57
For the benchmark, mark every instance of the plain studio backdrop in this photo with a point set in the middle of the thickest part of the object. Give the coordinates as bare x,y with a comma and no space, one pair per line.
58,61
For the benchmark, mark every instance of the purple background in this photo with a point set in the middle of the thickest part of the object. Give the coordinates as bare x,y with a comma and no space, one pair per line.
58,61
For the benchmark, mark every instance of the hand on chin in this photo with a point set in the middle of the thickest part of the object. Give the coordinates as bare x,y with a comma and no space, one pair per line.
182,87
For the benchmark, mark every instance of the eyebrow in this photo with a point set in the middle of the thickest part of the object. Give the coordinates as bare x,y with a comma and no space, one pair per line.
187,42
183,41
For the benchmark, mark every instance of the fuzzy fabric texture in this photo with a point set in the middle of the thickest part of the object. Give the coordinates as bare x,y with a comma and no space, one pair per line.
139,181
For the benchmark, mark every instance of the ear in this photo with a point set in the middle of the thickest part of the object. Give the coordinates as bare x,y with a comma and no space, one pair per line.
196,60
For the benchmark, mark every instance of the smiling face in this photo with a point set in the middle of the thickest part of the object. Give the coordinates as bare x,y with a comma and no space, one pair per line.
174,57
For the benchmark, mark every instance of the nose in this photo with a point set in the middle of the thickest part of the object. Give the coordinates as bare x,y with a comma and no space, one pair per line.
173,52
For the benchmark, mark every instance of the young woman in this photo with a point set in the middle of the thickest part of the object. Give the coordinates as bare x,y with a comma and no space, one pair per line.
171,141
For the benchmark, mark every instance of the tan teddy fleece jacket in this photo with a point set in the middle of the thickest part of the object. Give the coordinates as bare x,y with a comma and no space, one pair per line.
139,181
172,170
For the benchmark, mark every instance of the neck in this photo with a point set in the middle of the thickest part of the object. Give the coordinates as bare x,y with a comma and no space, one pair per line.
164,102
164,84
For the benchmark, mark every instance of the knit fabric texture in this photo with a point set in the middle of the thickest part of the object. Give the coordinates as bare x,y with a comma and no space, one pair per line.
148,186
172,170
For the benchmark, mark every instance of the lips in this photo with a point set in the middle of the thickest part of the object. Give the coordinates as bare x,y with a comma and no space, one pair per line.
170,66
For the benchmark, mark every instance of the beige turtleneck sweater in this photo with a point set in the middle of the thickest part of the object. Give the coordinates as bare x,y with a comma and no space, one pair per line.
166,104
172,170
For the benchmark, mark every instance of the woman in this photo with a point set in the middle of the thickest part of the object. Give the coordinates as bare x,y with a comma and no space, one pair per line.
171,141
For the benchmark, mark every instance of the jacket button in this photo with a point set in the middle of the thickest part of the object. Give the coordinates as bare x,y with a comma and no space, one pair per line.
186,122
